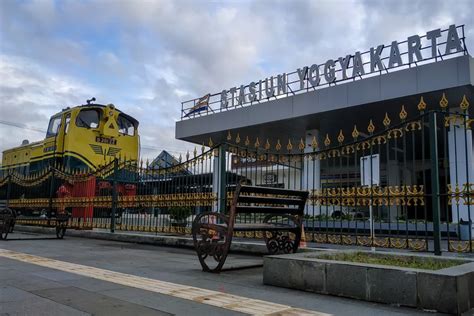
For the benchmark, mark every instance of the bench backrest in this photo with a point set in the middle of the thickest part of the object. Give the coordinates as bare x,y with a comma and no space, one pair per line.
264,200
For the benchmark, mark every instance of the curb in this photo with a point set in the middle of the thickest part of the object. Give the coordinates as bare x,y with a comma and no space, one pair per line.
158,240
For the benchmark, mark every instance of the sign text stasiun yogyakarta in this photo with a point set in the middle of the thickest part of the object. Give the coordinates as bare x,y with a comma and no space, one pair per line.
348,67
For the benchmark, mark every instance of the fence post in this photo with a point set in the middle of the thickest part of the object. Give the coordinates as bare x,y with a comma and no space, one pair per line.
114,197
222,180
51,193
9,189
435,183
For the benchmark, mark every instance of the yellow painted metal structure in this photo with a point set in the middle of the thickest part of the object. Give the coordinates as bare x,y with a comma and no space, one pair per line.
83,137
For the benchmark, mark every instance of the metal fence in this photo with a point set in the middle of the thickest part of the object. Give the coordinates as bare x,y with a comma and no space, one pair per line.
398,182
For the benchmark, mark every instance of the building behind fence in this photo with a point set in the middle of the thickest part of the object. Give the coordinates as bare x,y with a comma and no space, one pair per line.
419,187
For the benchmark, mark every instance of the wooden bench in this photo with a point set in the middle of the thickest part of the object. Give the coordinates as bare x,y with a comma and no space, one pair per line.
8,218
277,213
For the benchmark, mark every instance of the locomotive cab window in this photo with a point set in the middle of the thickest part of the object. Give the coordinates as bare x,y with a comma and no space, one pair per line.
53,126
88,119
66,123
126,127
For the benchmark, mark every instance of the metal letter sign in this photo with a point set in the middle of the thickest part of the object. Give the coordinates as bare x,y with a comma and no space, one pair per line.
379,58
370,170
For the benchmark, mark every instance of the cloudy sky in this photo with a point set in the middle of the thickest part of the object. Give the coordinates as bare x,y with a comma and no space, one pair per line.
147,56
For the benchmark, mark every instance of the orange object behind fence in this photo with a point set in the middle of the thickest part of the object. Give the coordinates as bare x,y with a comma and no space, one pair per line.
303,243
63,193
84,189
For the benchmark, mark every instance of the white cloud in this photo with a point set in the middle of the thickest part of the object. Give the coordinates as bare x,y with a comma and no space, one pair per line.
148,56
30,94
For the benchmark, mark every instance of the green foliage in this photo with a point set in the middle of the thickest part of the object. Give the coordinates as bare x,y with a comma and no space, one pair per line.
179,213
401,218
415,262
319,217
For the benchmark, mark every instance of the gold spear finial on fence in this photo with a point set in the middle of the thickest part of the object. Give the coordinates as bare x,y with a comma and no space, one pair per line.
443,103
464,105
278,145
314,143
195,152
386,120
257,143
421,105
289,147
355,132
403,114
229,136
211,144
301,145
340,137
187,155
237,139
267,145
371,127
327,141
247,141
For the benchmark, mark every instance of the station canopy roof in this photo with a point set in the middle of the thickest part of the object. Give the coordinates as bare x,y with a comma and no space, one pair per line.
337,106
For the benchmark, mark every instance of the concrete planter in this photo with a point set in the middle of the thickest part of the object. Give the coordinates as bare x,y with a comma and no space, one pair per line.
449,290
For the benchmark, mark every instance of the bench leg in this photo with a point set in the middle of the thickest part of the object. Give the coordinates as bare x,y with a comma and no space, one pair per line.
283,241
212,239
4,230
60,232
6,221
62,220
61,227
12,226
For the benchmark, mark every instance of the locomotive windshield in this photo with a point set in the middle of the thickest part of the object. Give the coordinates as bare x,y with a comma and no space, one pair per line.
126,126
88,119
53,126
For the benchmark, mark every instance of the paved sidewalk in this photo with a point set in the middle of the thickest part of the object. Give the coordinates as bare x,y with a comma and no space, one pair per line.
32,289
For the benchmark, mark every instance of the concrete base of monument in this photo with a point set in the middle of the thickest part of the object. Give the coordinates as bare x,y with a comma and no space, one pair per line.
448,290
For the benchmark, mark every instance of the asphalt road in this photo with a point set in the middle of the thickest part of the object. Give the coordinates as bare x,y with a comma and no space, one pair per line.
78,276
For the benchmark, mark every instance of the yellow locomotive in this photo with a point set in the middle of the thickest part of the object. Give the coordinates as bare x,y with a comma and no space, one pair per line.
79,138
